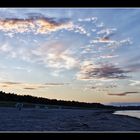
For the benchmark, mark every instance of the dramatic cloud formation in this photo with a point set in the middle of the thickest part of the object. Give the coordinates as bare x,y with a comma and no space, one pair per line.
89,71
123,94
38,25
76,45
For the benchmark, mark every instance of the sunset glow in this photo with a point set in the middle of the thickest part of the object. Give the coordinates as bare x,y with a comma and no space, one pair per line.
87,54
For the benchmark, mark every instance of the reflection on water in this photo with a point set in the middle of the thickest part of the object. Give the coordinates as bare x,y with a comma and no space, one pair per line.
133,113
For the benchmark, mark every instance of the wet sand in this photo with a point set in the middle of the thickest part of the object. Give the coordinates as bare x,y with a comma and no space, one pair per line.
12,119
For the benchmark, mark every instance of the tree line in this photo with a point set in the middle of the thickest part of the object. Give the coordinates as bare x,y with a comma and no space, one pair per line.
40,100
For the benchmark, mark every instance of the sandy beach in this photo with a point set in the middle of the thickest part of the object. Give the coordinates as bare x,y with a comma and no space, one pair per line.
29,119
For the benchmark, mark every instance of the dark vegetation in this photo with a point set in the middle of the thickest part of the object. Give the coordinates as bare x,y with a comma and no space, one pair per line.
12,98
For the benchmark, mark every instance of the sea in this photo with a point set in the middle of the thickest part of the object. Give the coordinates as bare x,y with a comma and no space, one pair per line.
132,113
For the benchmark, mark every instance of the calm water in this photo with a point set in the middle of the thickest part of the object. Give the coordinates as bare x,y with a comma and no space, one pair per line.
133,113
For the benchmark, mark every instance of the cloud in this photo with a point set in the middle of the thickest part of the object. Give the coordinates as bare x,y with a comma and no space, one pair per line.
37,25
90,19
40,24
10,83
116,44
56,73
100,25
104,35
55,84
61,60
5,48
4,86
32,86
135,67
107,32
111,43
35,15
56,55
123,94
134,59
101,86
53,55
79,29
41,86
133,63
29,88
108,56
102,40
22,68
134,83
89,71
111,86
93,87
22,53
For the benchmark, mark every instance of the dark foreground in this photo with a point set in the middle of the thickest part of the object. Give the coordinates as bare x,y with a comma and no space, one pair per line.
12,119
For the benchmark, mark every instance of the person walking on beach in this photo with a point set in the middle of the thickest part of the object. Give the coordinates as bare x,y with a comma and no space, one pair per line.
19,106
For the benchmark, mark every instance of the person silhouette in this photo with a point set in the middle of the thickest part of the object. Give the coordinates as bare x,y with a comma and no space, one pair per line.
19,106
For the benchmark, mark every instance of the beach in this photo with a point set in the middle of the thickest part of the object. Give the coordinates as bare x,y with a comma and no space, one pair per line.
32,119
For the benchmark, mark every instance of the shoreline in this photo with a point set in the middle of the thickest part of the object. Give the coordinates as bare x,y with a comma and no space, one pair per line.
66,120
127,116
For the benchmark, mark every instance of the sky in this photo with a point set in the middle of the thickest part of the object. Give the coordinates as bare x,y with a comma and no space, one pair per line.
80,54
